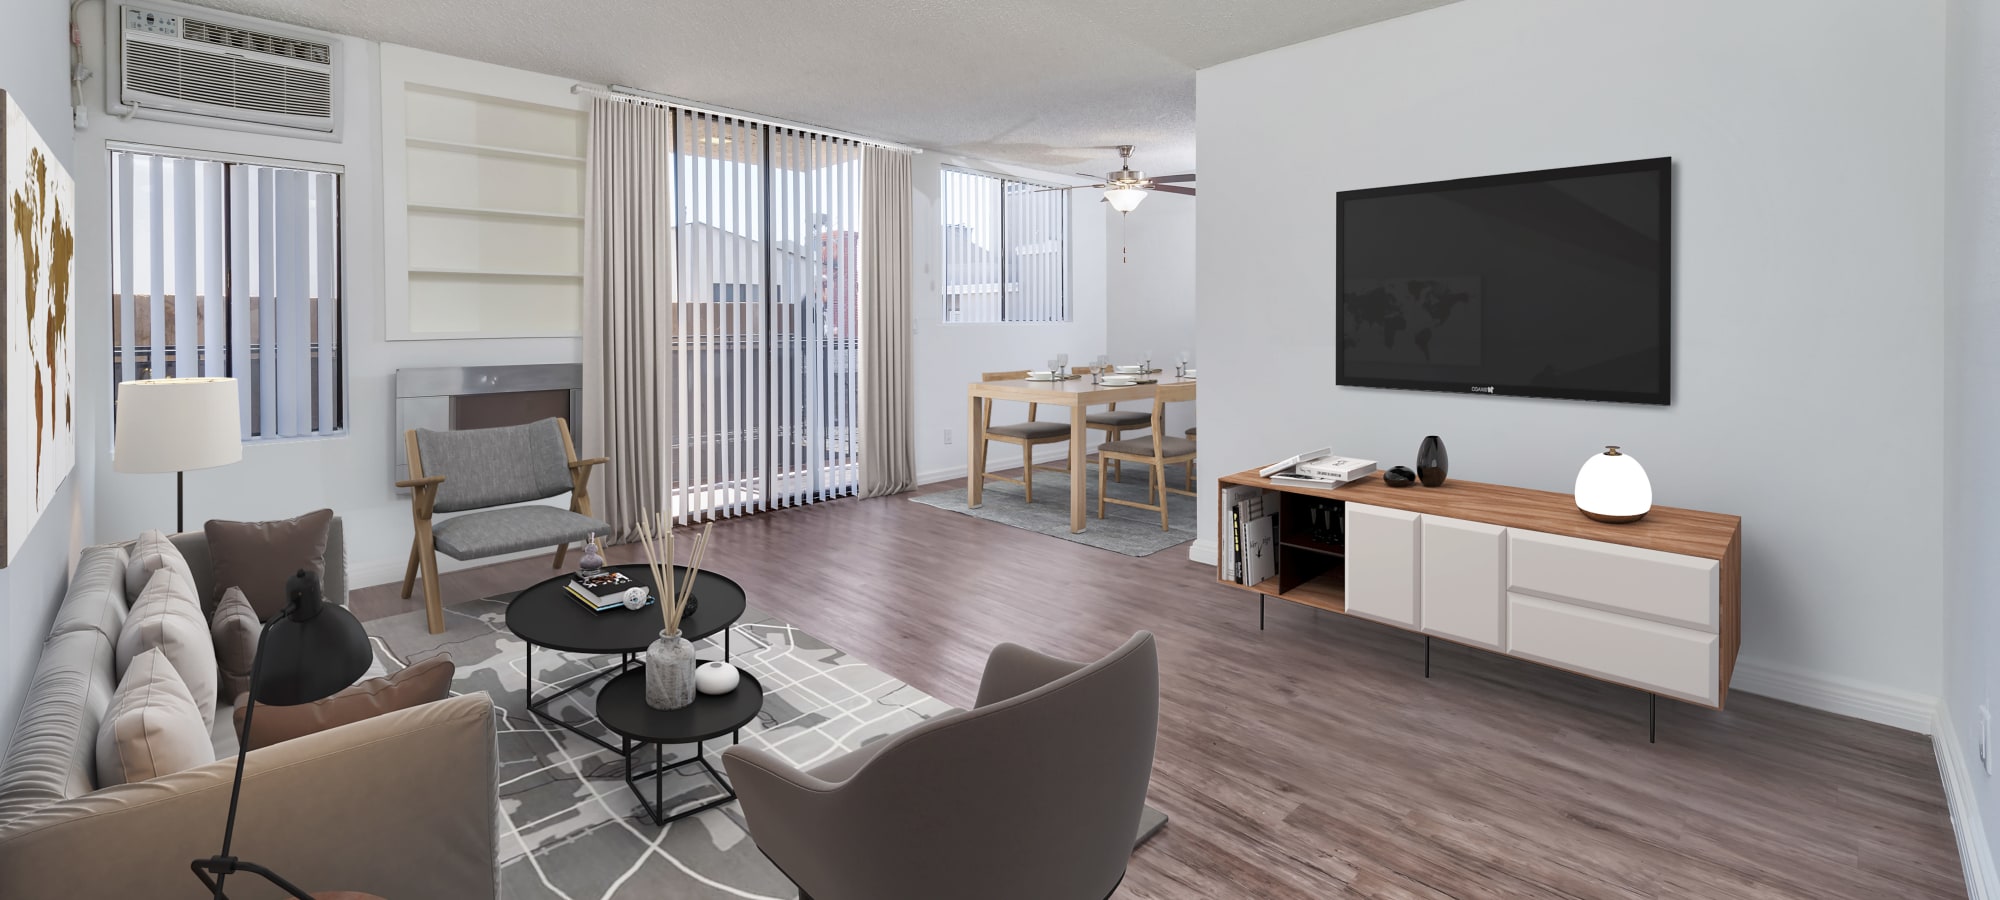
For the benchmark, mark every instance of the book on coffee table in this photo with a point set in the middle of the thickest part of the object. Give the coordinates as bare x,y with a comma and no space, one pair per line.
604,590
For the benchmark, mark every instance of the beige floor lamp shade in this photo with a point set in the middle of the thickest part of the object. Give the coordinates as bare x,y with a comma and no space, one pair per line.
177,424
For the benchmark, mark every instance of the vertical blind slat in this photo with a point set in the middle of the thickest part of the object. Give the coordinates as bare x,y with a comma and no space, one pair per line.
214,361
326,330
183,315
156,285
266,247
240,359
128,335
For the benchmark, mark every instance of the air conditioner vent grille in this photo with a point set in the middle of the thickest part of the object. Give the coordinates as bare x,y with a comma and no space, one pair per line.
255,42
229,81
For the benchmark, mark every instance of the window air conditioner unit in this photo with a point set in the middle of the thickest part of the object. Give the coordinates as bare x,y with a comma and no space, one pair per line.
213,65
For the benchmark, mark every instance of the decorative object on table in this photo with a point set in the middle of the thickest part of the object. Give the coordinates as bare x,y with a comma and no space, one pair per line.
1399,476
309,651
1181,364
592,558
1432,462
1328,471
716,678
608,589
670,659
177,424
260,557
637,598
38,389
1612,487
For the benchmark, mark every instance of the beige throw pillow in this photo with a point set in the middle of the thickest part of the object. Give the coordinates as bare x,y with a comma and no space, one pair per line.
151,553
415,685
260,557
151,727
235,631
167,617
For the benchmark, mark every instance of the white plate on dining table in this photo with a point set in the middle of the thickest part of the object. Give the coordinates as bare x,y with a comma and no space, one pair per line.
1129,370
1188,374
1042,376
1118,380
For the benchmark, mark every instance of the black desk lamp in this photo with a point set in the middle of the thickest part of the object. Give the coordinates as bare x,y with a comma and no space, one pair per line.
316,650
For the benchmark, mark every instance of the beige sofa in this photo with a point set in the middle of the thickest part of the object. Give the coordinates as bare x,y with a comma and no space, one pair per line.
401,805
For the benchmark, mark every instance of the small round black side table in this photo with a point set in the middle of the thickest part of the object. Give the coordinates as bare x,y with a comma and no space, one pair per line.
621,706
546,615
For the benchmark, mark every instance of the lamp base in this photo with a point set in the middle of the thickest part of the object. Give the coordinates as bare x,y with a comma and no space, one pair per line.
1614,520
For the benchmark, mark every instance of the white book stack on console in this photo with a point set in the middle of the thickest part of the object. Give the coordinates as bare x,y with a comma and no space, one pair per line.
1319,469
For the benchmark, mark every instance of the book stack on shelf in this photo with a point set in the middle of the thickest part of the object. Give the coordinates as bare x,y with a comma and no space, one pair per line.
1250,525
604,590
1319,468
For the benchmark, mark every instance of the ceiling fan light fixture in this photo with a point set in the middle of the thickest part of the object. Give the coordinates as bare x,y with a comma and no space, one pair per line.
1124,199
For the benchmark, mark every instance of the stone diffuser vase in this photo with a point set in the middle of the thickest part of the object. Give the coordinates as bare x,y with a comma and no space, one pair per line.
670,672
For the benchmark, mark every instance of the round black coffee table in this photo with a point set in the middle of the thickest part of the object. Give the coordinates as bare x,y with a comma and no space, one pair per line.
621,706
547,616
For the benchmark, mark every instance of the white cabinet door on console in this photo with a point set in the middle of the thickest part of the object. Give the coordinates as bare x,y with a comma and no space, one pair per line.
1666,587
1464,580
1382,564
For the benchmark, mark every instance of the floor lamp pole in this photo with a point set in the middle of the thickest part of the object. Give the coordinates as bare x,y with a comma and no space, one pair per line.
180,501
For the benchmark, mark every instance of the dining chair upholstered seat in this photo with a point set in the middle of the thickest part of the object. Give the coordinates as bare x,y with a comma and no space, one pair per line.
1169,446
1032,430
1120,418
1036,792
1190,434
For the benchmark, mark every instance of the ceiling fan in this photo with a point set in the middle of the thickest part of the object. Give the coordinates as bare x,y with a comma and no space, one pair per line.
1126,188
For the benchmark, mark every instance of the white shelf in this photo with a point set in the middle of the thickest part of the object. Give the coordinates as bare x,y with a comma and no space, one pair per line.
492,150
493,273
488,211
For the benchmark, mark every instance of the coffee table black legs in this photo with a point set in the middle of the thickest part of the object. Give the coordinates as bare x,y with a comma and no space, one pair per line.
536,706
656,807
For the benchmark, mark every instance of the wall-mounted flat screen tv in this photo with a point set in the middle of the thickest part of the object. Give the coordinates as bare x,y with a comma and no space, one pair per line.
1538,284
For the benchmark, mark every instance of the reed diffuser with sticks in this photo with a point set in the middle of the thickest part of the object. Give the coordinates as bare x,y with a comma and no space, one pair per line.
670,660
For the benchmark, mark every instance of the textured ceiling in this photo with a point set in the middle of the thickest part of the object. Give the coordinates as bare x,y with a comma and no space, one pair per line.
1054,84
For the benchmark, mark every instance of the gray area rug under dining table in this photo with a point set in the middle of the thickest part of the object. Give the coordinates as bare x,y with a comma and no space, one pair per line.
1133,532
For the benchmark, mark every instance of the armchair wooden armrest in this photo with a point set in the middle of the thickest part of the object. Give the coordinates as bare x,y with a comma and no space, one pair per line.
425,481
587,463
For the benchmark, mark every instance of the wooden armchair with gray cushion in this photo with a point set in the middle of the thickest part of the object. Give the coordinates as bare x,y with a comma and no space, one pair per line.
1035,792
483,468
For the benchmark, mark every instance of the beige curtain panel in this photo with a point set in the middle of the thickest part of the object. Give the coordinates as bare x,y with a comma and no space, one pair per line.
888,434
628,246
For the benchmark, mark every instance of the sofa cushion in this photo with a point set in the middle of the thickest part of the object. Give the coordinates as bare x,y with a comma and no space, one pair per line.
260,556
491,533
52,755
152,728
150,553
415,685
96,597
235,630
167,617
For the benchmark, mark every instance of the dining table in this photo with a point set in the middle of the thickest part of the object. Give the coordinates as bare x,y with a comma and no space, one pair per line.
1077,394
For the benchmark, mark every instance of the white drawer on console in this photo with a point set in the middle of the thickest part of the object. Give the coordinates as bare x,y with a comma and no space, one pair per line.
1667,587
1665,659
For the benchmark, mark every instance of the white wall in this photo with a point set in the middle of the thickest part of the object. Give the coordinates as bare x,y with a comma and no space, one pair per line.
1972,392
948,357
34,66
1150,264
1807,137
353,473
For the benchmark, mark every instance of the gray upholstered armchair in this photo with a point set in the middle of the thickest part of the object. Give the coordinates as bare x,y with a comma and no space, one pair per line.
482,468
1035,792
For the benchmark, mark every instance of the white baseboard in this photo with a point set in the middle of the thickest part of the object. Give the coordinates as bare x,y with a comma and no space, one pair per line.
390,571
1202,552
1981,880
1883,705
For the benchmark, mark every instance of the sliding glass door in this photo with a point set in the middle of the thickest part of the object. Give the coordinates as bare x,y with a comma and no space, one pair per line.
765,339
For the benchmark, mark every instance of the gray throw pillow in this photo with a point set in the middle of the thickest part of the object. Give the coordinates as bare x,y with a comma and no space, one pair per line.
236,631
150,553
167,617
151,727
260,556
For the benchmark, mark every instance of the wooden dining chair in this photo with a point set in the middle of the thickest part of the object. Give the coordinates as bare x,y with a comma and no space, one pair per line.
1028,435
1157,450
1114,422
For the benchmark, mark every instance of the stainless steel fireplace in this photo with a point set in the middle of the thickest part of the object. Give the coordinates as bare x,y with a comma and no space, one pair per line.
449,398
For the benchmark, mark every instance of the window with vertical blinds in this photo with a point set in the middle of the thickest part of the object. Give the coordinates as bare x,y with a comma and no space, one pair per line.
1006,249
765,345
225,268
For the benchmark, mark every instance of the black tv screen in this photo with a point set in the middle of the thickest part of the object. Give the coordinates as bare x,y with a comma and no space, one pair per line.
1537,284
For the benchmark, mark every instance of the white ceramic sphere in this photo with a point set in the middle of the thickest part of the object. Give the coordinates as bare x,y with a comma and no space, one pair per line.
1613,486
635,598
716,678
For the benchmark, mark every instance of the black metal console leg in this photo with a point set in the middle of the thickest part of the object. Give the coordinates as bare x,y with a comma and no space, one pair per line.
1427,656
1652,724
1260,612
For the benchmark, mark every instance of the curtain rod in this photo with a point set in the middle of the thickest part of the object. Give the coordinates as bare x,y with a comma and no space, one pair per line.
635,95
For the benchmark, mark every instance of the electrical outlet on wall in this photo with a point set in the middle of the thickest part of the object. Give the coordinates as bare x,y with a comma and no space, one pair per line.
947,437
1986,739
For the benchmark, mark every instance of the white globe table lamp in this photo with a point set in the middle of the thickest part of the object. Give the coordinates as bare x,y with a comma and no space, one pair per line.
1612,487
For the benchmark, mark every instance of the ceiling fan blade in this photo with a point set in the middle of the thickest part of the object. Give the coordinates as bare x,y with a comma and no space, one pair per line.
1173,178
1170,189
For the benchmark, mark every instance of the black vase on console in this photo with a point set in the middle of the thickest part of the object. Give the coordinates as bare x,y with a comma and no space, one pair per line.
1432,461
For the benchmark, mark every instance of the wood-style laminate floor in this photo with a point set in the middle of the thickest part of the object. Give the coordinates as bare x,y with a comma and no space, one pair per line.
1314,760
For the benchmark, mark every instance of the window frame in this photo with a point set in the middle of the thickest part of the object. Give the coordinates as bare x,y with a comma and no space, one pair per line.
343,369
1067,301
